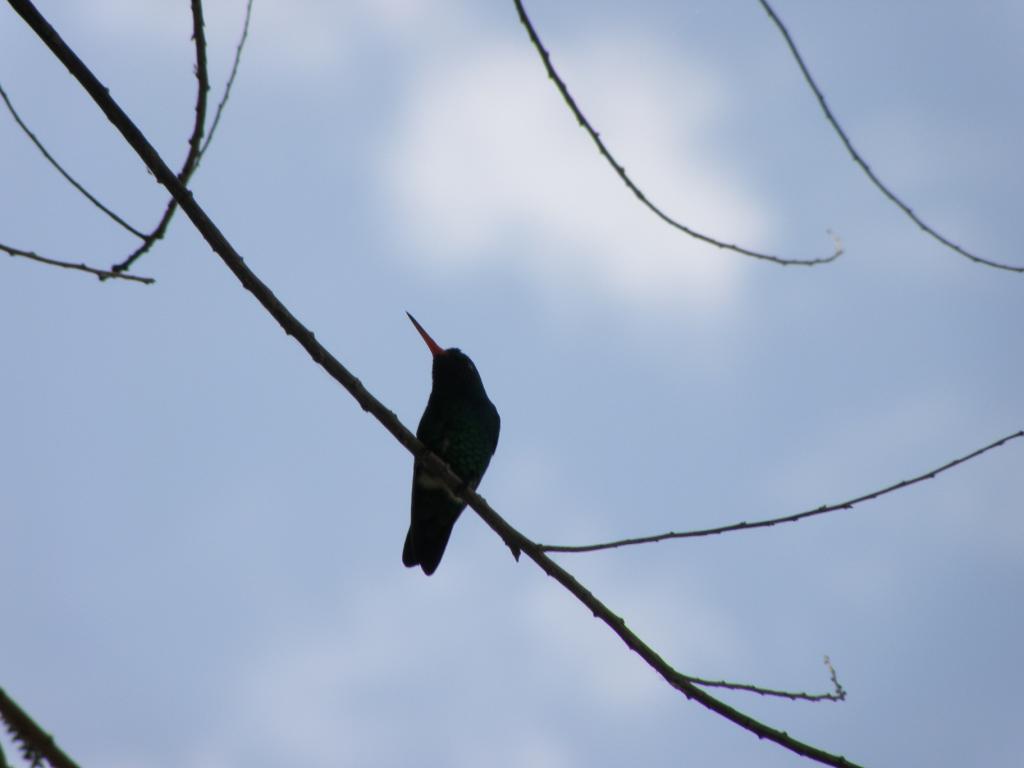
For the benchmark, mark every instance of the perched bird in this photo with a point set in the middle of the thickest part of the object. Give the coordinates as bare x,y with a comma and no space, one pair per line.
460,426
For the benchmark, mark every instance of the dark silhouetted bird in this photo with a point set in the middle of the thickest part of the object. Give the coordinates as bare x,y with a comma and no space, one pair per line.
460,426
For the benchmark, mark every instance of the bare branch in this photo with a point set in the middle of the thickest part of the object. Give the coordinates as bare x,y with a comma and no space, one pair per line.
102,274
194,147
231,81
202,91
291,325
36,744
745,526
863,164
197,148
60,169
621,171
837,694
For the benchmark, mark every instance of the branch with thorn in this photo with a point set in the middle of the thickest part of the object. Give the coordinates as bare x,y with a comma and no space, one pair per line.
293,327
36,744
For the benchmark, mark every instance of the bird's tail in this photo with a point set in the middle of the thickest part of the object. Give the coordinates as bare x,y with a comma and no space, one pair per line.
426,541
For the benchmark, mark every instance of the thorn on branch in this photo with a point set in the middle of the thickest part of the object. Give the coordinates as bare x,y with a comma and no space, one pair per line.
36,745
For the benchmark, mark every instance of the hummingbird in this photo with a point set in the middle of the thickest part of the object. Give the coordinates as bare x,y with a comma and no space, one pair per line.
460,426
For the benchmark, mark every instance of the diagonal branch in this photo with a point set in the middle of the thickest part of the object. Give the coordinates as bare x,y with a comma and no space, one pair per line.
621,171
898,202
36,744
745,526
102,274
291,325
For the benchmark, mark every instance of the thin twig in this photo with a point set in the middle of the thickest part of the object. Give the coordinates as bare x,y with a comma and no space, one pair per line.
102,274
840,691
35,743
230,83
863,164
60,169
792,695
745,526
837,694
291,325
194,146
621,171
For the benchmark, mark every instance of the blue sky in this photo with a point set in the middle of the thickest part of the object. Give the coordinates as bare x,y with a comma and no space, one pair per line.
202,532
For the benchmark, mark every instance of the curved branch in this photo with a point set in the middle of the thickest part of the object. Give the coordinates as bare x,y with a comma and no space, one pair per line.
230,83
863,164
745,526
102,274
60,169
621,171
194,146
291,325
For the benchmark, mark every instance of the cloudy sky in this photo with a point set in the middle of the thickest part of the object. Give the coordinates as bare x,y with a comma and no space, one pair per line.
201,532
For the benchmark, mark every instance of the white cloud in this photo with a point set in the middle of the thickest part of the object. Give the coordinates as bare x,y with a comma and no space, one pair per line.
488,158
295,37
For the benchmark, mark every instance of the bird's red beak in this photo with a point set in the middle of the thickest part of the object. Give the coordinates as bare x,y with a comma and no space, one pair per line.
435,348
